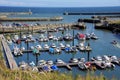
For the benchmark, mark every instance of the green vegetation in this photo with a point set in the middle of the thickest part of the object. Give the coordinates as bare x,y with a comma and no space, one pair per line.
7,74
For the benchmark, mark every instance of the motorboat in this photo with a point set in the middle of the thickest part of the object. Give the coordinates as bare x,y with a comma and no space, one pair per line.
53,45
38,47
41,63
114,60
68,37
81,47
74,60
24,37
88,36
81,36
59,61
62,46
57,50
84,66
46,47
50,36
93,36
49,62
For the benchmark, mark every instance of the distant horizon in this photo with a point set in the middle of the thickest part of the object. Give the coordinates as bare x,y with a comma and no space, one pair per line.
61,7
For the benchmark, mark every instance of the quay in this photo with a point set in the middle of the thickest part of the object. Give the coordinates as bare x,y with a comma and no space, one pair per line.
89,13
32,19
10,29
11,61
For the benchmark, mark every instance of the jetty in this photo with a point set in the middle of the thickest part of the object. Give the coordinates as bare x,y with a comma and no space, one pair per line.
10,59
91,13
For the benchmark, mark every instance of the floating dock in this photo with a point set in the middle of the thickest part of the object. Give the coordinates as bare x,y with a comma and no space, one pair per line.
11,61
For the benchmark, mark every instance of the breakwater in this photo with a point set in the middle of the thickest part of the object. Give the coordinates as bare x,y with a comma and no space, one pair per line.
32,19
89,13
16,13
90,20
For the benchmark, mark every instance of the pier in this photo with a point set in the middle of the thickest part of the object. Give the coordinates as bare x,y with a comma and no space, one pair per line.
11,61
89,13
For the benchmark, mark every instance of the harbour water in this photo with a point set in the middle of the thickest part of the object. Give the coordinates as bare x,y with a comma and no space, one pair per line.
102,46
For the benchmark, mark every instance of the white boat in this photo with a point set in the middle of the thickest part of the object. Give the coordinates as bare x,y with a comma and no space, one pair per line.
93,36
30,36
23,65
9,41
49,62
16,37
57,50
24,36
50,36
46,47
55,38
81,47
74,60
38,47
59,61
22,48
62,46
17,51
53,45
41,63
115,60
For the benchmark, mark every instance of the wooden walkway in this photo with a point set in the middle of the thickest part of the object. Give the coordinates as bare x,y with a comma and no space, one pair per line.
11,61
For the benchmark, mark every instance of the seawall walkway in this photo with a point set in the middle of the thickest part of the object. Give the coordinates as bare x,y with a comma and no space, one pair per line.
11,61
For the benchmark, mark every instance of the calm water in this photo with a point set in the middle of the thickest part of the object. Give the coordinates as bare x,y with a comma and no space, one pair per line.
101,46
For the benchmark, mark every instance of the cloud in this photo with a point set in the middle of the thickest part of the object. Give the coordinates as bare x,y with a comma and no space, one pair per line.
59,3
10,3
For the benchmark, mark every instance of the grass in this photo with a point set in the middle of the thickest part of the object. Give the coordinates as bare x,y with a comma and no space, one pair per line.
7,74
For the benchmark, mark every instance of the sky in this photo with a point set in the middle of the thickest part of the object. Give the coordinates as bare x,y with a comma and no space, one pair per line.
60,3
